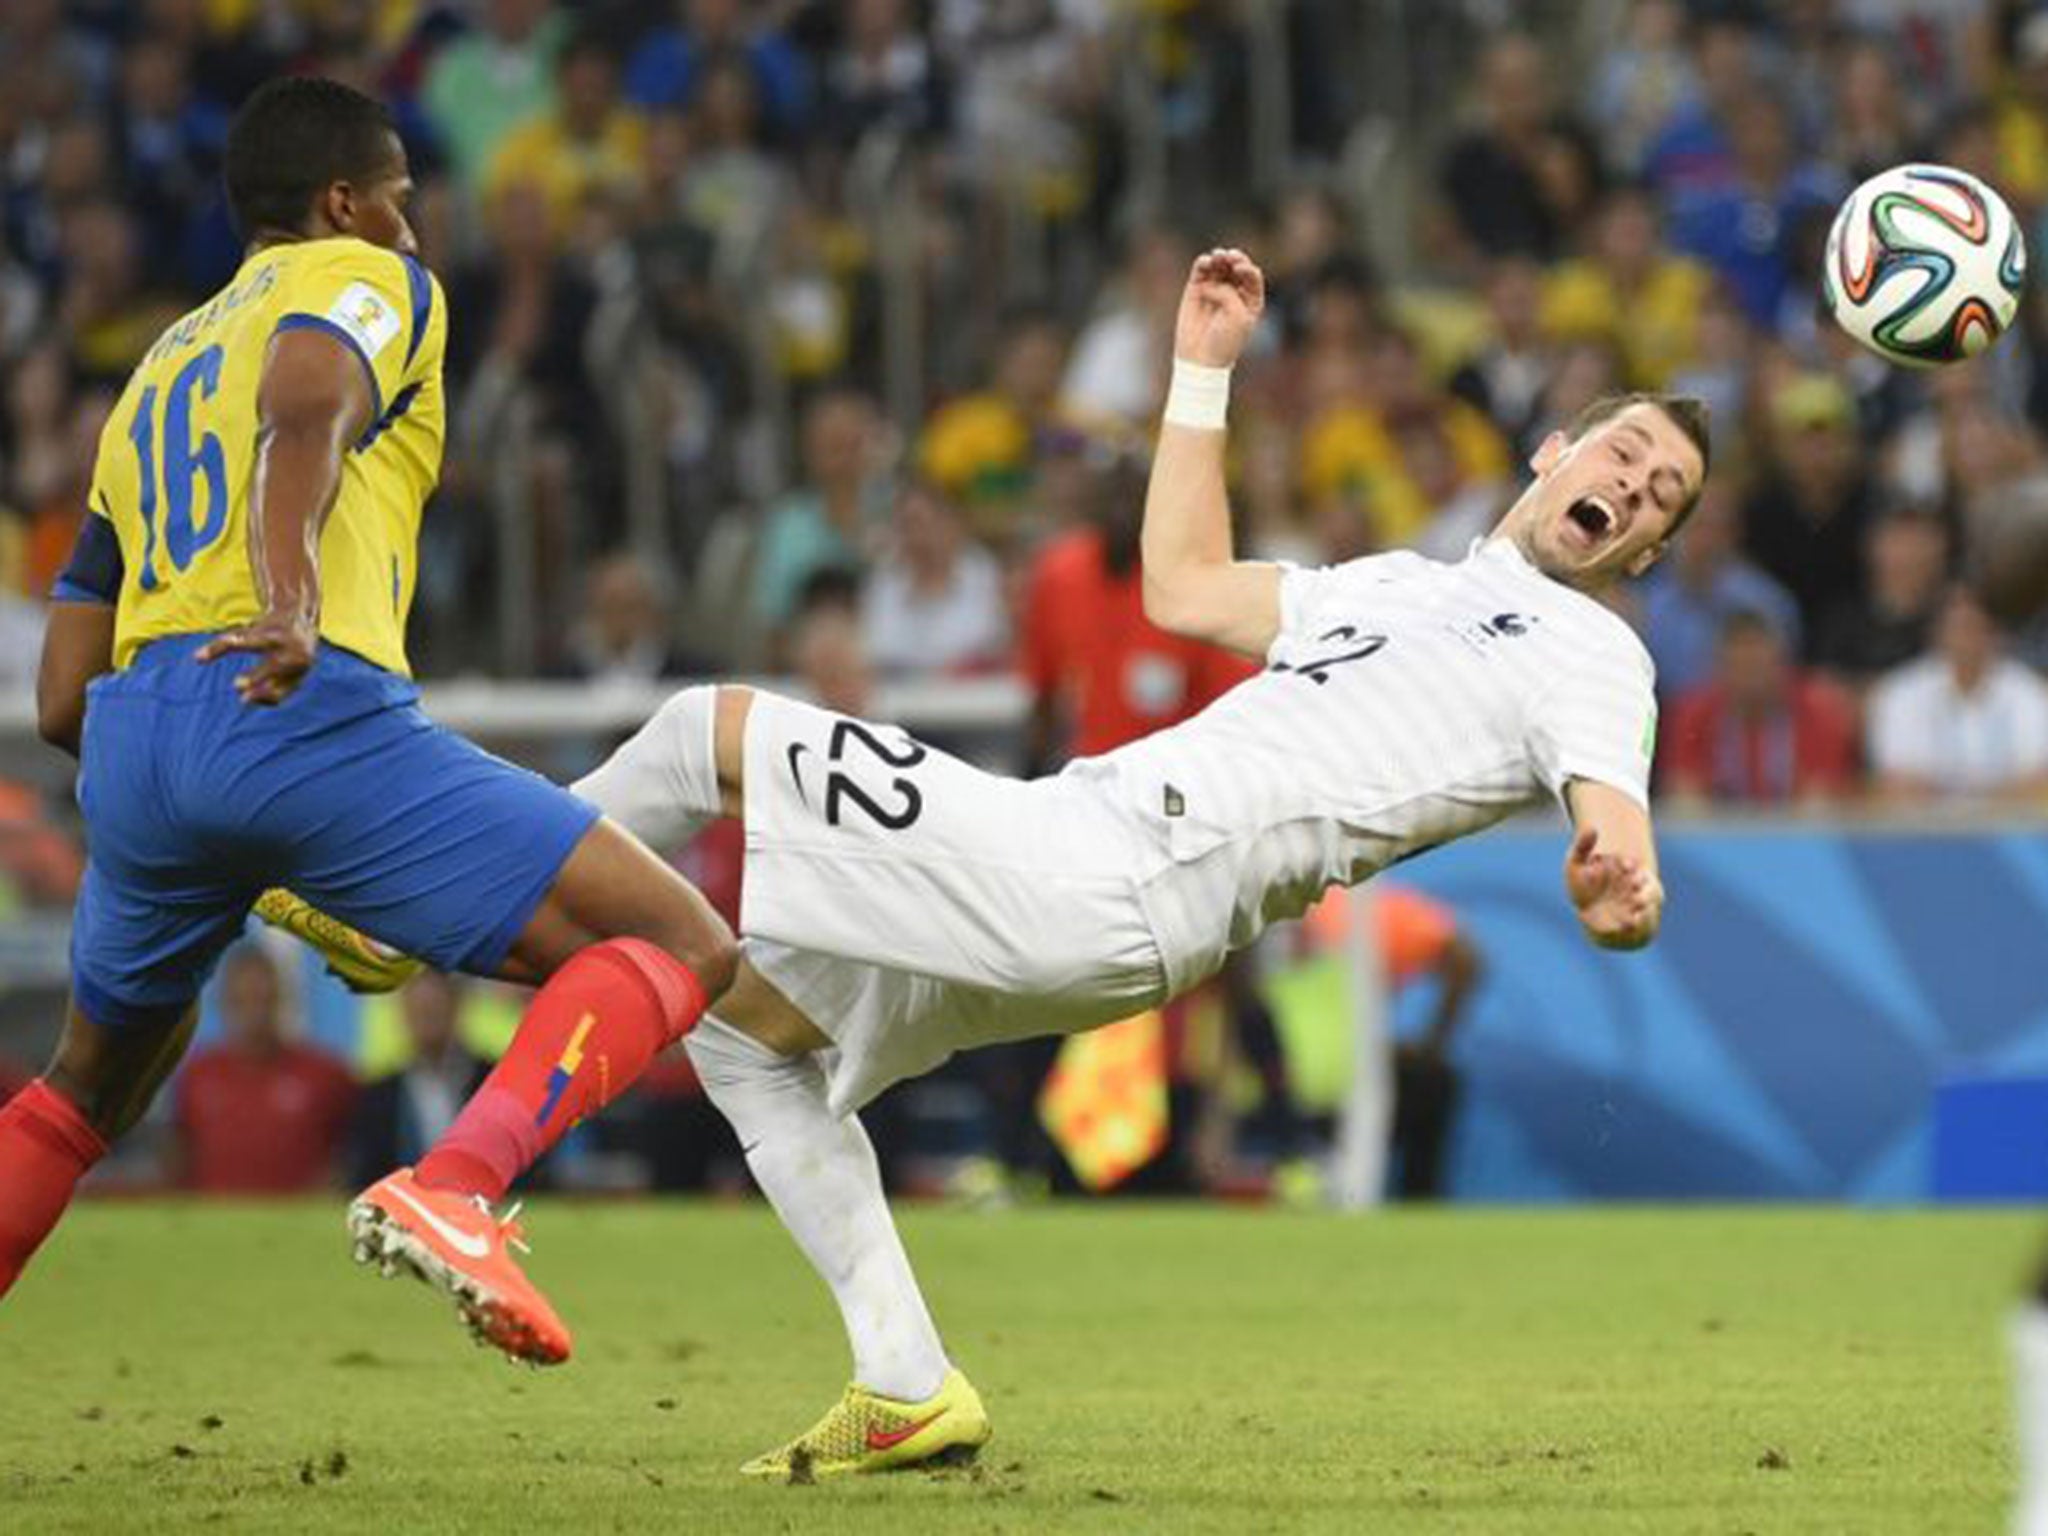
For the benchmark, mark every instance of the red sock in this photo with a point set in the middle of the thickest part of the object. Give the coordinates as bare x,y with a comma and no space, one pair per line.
46,1145
587,1035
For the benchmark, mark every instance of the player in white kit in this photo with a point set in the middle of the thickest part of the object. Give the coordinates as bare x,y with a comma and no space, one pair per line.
901,905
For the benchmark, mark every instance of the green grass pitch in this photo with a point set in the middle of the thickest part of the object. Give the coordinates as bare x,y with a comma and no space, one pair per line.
1149,1368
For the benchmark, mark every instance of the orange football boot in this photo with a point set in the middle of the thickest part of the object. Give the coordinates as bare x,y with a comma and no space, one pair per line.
460,1247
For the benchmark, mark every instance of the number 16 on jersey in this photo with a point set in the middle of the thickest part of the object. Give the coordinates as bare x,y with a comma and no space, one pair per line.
168,447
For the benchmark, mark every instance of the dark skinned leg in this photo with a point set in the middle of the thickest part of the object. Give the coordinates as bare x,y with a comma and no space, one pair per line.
113,1075
51,1134
612,887
629,955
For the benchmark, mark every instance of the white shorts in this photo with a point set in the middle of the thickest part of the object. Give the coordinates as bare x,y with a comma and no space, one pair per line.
888,1025
910,904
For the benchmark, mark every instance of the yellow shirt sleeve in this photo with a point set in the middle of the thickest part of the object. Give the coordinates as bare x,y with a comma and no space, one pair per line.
382,305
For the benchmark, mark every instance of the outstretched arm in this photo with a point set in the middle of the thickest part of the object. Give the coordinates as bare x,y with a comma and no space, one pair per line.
1194,585
1611,872
313,401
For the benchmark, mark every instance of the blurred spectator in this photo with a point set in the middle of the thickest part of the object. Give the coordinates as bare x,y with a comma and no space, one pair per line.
1516,182
1964,722
1100,672
1747,228
531,310
76,166
1889,622
259,1113
40,37
1966,439
1411,455
482,86
587,143
60,499
21,305
1631,292
1029,74
1694,150
1340,318
1308,235
1872,123
1805,521
830,658
399,1116
934,602
227,57
2022,104
1761,732
669,67
109,311
1642,81
1116,377
1689,596
1505,378
42,467
982,447
170,140
1721,374
732,187
834,516
881,74
625,633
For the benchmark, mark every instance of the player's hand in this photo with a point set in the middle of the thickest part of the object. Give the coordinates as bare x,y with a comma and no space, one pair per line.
1620,903
1225,295
286,642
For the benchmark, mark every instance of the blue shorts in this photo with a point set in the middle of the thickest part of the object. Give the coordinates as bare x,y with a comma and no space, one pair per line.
195,803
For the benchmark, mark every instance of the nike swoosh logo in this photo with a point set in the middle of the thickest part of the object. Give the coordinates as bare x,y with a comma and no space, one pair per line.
883,1439
467,1244
796,772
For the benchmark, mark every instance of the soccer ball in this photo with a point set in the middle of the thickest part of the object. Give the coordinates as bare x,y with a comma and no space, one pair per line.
1924,265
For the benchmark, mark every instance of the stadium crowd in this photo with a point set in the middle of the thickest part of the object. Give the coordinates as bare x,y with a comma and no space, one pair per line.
652,224
828,335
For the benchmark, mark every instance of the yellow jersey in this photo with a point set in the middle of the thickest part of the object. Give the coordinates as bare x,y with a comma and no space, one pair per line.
177,460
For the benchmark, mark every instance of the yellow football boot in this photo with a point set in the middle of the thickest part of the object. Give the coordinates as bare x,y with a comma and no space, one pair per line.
358,960
865,1432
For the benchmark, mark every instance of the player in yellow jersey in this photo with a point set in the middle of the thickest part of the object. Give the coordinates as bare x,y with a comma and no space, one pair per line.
226,654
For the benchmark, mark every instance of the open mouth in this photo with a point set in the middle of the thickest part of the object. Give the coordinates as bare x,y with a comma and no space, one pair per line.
1593,517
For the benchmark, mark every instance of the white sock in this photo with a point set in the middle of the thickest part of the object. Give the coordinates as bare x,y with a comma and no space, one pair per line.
819,1173
2029,1339
662,785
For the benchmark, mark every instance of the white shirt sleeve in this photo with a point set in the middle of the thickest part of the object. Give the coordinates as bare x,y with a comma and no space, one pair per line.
1598,721
1897,737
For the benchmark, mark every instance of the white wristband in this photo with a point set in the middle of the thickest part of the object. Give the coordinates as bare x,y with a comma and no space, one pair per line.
1199,396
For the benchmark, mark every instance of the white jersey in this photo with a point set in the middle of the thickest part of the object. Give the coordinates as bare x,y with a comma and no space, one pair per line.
1406,703
910,904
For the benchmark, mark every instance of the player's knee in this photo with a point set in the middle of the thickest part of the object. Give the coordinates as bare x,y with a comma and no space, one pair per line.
718,964
724,1057
745,1077
707,948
